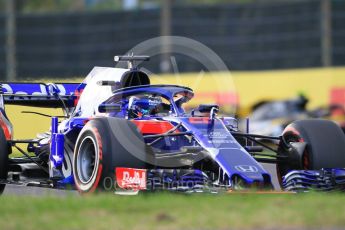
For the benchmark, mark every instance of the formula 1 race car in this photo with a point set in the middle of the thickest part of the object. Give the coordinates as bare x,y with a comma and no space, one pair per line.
120,133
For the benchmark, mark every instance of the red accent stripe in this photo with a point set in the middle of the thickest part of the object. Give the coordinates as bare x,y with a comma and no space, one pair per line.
153,127
6,130
100,167
199,120
77,93
294,131
305,156
100,154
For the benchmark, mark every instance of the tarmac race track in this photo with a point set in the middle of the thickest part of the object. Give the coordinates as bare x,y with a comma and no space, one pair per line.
34,191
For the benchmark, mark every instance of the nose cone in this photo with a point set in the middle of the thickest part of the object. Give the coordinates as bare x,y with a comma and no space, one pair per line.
238,162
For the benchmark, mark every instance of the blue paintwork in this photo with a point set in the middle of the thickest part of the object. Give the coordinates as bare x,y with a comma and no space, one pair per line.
56,145
213,135
166,91
175,179
41,94
318,180
228,153
224,148
40,88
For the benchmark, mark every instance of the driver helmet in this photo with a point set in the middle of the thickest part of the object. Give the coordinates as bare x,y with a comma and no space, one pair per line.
140,106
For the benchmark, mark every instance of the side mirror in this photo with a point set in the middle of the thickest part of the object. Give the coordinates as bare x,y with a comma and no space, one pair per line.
108,108
206,108
212,109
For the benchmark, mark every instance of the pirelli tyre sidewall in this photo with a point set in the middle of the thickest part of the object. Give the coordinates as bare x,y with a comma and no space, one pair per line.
99,148
325,145
4,151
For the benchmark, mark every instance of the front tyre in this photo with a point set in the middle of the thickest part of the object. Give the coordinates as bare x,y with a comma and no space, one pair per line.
325,146
104,144
4,151
88,160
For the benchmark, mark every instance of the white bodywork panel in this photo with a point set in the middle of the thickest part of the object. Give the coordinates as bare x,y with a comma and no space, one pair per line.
95,94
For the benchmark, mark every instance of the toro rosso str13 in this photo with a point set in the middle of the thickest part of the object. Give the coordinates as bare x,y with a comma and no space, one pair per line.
122,133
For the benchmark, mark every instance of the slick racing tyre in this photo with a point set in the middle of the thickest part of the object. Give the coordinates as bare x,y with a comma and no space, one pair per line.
325,146
4,151
102,145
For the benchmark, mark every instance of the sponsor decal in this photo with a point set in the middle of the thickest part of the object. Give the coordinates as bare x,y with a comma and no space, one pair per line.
34,89
132,179
198,120
219,137
25,90
246,168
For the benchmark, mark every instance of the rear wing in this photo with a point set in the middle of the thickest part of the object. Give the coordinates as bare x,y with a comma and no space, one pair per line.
40,94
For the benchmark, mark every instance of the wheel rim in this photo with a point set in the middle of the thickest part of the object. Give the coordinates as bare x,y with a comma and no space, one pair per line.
86,160
306,162
305,156
282,169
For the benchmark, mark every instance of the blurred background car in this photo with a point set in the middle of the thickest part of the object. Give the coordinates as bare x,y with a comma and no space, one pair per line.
271,117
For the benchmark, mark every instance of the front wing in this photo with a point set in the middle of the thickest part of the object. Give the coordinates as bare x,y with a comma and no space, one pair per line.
314,180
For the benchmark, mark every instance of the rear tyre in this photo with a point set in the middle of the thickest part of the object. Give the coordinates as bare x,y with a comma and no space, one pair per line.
4,151
325,145
104,144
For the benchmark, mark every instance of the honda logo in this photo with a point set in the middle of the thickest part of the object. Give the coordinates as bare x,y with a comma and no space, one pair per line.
246,168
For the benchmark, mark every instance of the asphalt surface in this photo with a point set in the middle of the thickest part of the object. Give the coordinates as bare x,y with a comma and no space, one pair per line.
34,191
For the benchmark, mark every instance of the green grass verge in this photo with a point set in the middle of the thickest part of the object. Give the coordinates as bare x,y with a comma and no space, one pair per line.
173,211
